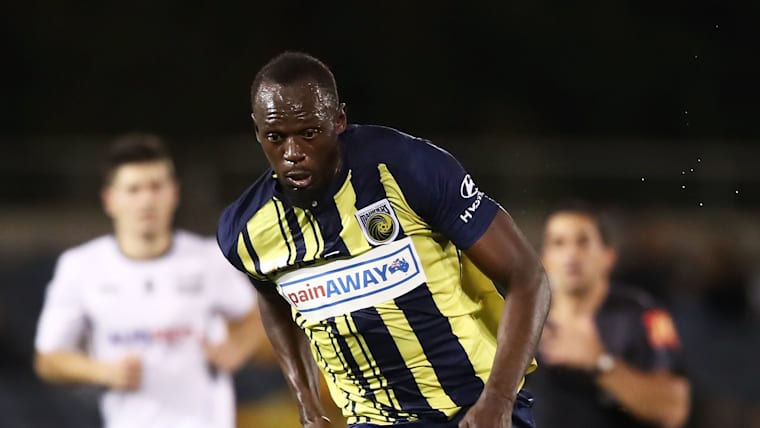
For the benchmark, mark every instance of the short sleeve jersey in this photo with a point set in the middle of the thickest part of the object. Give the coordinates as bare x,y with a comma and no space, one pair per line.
373,274
160,310
632,327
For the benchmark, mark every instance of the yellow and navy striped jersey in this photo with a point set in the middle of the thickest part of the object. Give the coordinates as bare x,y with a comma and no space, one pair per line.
402,326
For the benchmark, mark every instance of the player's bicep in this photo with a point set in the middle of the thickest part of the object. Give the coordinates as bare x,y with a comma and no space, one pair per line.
277,308
503,251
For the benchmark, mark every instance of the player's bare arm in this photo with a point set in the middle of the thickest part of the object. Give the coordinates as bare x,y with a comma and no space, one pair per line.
661,397
507,258
244,337
76,367
294,356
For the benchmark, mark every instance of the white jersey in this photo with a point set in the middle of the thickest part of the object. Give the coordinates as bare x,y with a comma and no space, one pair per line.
161,310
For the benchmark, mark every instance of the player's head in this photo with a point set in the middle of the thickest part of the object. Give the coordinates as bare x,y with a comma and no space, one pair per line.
576,250
298,117
140,192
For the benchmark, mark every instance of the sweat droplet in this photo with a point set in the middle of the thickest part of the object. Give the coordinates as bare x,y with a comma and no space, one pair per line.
683,172
737,191
716,26
701,204
699,159
683,186
691,169
642,178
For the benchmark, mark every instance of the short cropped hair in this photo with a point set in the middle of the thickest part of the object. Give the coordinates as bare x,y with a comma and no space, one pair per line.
585,209
133,148
290,67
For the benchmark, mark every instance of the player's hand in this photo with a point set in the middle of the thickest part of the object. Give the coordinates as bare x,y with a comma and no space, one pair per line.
572,342
488,412
124,374
225,356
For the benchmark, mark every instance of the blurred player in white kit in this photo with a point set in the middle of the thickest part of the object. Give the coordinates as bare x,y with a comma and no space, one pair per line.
154,315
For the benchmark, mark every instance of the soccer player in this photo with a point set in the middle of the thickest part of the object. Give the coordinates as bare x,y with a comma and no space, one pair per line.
155,316
375,254
609,354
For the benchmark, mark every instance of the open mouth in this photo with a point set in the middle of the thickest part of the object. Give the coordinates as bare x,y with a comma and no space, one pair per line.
298,179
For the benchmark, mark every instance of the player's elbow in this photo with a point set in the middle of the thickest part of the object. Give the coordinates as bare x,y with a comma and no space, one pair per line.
43,367
676,413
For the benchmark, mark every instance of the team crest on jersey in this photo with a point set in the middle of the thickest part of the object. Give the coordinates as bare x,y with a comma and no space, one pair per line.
378,222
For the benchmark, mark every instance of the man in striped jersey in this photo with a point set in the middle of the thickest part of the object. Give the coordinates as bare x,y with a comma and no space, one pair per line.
382,250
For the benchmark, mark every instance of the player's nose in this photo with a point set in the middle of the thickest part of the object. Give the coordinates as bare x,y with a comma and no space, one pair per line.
293,152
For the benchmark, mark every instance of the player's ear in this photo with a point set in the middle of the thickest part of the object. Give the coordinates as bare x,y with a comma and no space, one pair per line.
255,128
610,258
341,121
105,200
176,192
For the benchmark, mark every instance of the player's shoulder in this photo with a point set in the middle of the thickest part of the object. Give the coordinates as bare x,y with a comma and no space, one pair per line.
369,134
94,249
236,215
629,298
387,145
186,241
196,248
82,257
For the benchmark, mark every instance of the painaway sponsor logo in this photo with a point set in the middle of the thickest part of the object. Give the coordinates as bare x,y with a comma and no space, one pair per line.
344,286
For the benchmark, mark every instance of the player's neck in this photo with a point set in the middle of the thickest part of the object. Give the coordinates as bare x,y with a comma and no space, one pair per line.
144,247
585,302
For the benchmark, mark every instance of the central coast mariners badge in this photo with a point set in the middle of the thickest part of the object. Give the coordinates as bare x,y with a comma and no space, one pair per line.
378,222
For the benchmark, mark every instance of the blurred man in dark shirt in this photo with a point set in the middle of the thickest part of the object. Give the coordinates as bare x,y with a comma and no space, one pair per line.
609,356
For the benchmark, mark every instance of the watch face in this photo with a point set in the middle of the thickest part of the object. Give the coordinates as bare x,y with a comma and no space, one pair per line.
605,363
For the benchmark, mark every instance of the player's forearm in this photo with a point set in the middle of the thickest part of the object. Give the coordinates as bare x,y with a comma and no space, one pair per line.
302,374
294,356
246,334
522,320
658,397
70,367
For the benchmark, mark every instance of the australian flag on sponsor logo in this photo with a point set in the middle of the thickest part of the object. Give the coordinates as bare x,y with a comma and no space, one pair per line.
399,265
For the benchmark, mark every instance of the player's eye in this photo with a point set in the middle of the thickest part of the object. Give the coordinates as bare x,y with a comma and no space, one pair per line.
274,137
310,133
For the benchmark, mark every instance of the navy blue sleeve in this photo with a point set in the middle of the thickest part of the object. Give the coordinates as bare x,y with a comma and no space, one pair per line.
231,228
227,236
656,345
439,189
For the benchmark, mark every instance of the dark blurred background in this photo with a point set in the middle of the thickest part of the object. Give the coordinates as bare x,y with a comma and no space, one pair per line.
646,108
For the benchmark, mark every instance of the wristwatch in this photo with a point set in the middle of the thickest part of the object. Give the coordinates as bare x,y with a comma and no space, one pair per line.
604,363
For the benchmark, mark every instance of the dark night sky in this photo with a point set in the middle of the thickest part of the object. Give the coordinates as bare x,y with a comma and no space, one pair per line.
570,69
